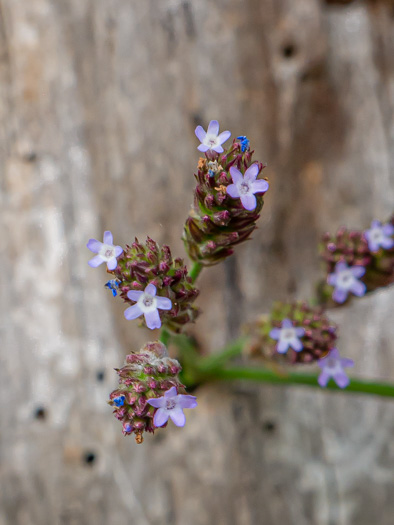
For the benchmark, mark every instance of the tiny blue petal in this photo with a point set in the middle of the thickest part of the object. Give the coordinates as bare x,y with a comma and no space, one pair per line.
244,143
118,401
113,285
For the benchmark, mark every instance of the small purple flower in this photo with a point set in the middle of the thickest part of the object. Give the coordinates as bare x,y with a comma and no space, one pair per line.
245,186
171,405
288,336
106,252
345,279
379,236
211,140
118,401
332,366
147,303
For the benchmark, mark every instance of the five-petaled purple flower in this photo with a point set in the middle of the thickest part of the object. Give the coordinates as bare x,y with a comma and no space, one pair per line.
106,252
379,235
245,186
332,366
171,405
288,336
147,303
211,140
345,279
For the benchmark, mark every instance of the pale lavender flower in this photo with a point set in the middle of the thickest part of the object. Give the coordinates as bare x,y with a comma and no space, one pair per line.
171,405
345,279
106,251
211,140
288,336
245,186
147,303
379,235
333,366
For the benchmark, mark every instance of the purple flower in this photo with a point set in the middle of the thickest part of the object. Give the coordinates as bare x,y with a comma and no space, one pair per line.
148,304
245,186
332,366
211,140
288,336
171,405
379,236
106,252
345,279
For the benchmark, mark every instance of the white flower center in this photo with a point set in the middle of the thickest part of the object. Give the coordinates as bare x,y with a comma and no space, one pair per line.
345,279
147,302
377,235
287,334
211,141
244,187
107,252
170,404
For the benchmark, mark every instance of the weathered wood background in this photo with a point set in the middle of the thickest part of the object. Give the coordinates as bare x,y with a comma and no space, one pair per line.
98,104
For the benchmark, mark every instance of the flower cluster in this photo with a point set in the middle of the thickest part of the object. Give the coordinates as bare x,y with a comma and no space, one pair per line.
228,197
357,262
149,392
292,333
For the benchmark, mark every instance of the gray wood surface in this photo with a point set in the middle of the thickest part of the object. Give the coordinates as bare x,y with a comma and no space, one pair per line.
98,104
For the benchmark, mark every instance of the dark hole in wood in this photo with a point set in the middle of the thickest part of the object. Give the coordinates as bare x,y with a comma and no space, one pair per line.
289,50
40,413
89,458
269,426
100,375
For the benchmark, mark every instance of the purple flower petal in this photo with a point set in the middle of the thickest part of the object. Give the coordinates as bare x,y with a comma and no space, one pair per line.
132,312
249,202
157,402
275,333
232,190
93,245
358,288
134,295
163,303
178,417
161,417
200,133
341,379
300,332
151,289
203,148
225,135
332,279
296,344
373,246
152,319
218,149
286,323
112,263
108,239
213,128
260,186
340,266
252,172
357,271
282,347
170,393
388,229
339,295
345,362
118,251
334,354
236,175
323,379
387,243
186,401
375,224
96,261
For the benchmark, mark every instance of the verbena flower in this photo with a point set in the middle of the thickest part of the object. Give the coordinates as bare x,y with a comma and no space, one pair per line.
333,367
245,186
211,140
171,405
288,336
148,377
106,251
380,235
345,280
310,331
147,304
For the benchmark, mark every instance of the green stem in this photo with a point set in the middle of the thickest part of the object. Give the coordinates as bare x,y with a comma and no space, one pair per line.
195,271
360,386
164,336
